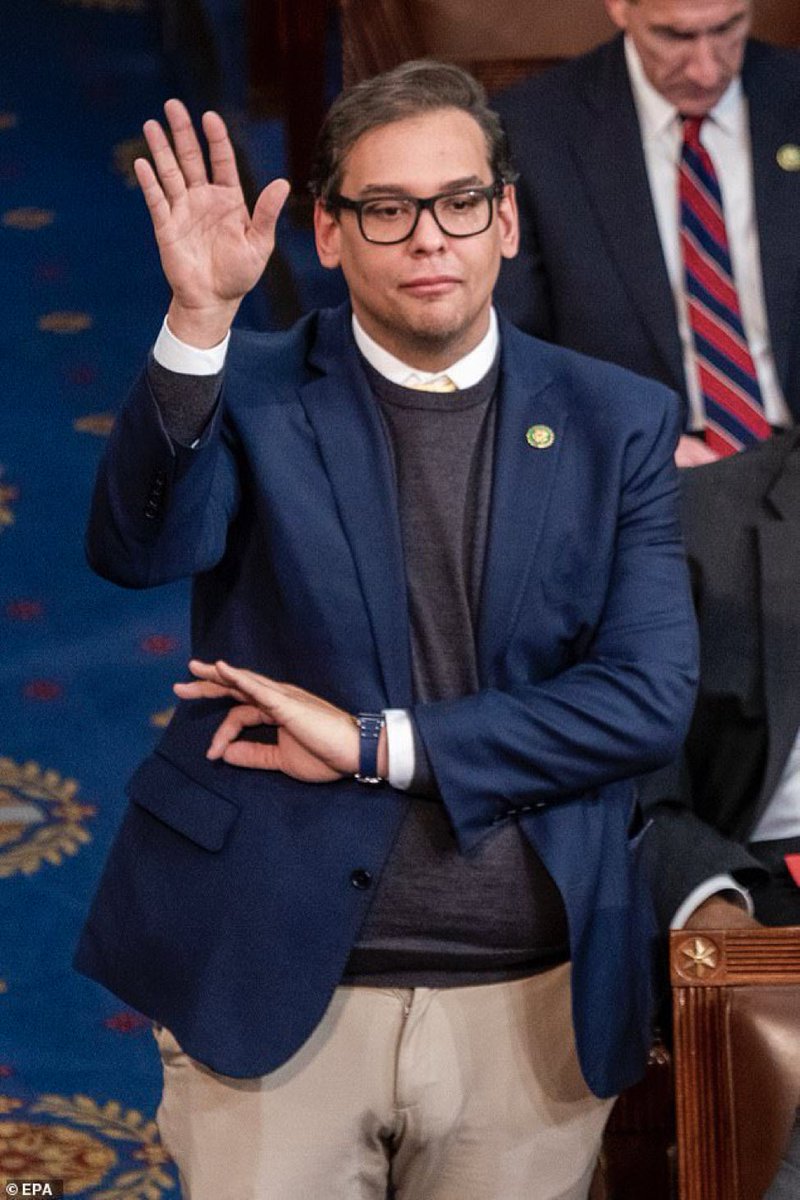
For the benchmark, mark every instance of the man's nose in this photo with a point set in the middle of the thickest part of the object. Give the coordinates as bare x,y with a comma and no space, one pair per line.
703,68
427,237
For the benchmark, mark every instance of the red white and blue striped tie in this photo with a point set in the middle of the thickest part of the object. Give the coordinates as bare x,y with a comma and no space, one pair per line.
734,408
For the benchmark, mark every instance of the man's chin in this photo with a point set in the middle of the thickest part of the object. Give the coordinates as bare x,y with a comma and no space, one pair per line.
428,333
436,335
436,328
697,106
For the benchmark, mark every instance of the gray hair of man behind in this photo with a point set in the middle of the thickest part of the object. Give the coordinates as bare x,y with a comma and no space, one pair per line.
413,88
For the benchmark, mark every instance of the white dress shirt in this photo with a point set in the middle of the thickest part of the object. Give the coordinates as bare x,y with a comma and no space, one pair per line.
173,354
464,373
781,817
726,136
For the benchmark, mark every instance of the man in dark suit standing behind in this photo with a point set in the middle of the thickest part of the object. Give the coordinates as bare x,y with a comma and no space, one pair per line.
607,249
726,817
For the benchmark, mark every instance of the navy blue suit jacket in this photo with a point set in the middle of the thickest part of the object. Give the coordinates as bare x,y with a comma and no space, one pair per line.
231,897
591,273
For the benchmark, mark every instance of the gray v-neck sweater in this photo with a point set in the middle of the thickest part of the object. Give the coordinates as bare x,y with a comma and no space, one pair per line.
441,918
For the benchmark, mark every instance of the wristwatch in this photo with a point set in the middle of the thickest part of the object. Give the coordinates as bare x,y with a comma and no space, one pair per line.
369,731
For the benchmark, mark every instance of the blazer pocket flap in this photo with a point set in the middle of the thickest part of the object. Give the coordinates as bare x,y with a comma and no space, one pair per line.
168,793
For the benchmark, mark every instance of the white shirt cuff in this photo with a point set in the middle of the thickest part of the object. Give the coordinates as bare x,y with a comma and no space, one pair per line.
174,355
717,883
400,747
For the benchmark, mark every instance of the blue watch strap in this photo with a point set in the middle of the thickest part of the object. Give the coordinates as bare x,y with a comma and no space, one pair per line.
369,731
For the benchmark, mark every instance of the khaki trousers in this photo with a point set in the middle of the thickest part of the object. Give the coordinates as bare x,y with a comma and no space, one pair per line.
467,1093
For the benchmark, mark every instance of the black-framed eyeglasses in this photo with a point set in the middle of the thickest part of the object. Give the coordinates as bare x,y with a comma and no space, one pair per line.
387,220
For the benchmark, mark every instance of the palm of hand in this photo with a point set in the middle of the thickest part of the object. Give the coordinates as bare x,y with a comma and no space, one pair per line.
205,246
213,252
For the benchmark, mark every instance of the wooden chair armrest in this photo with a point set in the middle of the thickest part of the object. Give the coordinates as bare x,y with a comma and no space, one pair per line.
736,1005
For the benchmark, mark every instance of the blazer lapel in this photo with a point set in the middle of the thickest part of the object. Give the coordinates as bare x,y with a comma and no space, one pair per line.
608,151
774,121
527,399
779,549
356,456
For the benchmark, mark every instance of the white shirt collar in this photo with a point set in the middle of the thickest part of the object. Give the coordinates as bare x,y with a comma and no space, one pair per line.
657,115
464,373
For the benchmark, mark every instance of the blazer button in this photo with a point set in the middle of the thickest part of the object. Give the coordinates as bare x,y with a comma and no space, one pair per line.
361,879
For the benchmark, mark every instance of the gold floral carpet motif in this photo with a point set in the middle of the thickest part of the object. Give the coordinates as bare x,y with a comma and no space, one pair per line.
41,819
8,494
99,1151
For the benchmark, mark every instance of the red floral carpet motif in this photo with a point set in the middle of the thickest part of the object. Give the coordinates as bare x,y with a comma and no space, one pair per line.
127,1021
82,374
43,690
159,643
24,610
53,271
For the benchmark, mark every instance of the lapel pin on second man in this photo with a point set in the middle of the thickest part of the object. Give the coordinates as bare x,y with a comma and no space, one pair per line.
788,157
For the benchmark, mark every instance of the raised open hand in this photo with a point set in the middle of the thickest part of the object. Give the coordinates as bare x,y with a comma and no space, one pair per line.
212,250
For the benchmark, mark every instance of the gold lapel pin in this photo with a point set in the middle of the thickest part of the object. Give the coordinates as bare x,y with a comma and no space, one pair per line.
541,437
788,157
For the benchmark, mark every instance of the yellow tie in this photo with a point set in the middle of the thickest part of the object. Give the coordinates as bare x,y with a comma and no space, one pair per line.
443,384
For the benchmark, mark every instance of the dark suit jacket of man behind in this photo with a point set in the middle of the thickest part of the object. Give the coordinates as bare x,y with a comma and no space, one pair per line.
741,521
591,271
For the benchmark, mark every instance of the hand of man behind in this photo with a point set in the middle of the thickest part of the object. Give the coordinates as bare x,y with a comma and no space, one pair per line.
719,913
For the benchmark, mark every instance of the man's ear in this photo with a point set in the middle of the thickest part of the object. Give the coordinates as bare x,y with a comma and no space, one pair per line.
327,234
508,222
618,11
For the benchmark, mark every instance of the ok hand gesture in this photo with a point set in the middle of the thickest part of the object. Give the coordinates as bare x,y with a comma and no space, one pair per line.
316,741
212,250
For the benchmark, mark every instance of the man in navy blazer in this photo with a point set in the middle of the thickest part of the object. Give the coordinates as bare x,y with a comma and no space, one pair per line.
597,142
451,552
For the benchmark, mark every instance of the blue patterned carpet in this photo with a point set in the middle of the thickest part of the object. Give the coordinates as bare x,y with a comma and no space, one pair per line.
85,669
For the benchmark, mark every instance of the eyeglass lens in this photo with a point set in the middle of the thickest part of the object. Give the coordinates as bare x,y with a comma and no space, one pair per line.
460,214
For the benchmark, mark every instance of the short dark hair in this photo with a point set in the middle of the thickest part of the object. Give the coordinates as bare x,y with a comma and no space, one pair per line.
419,86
